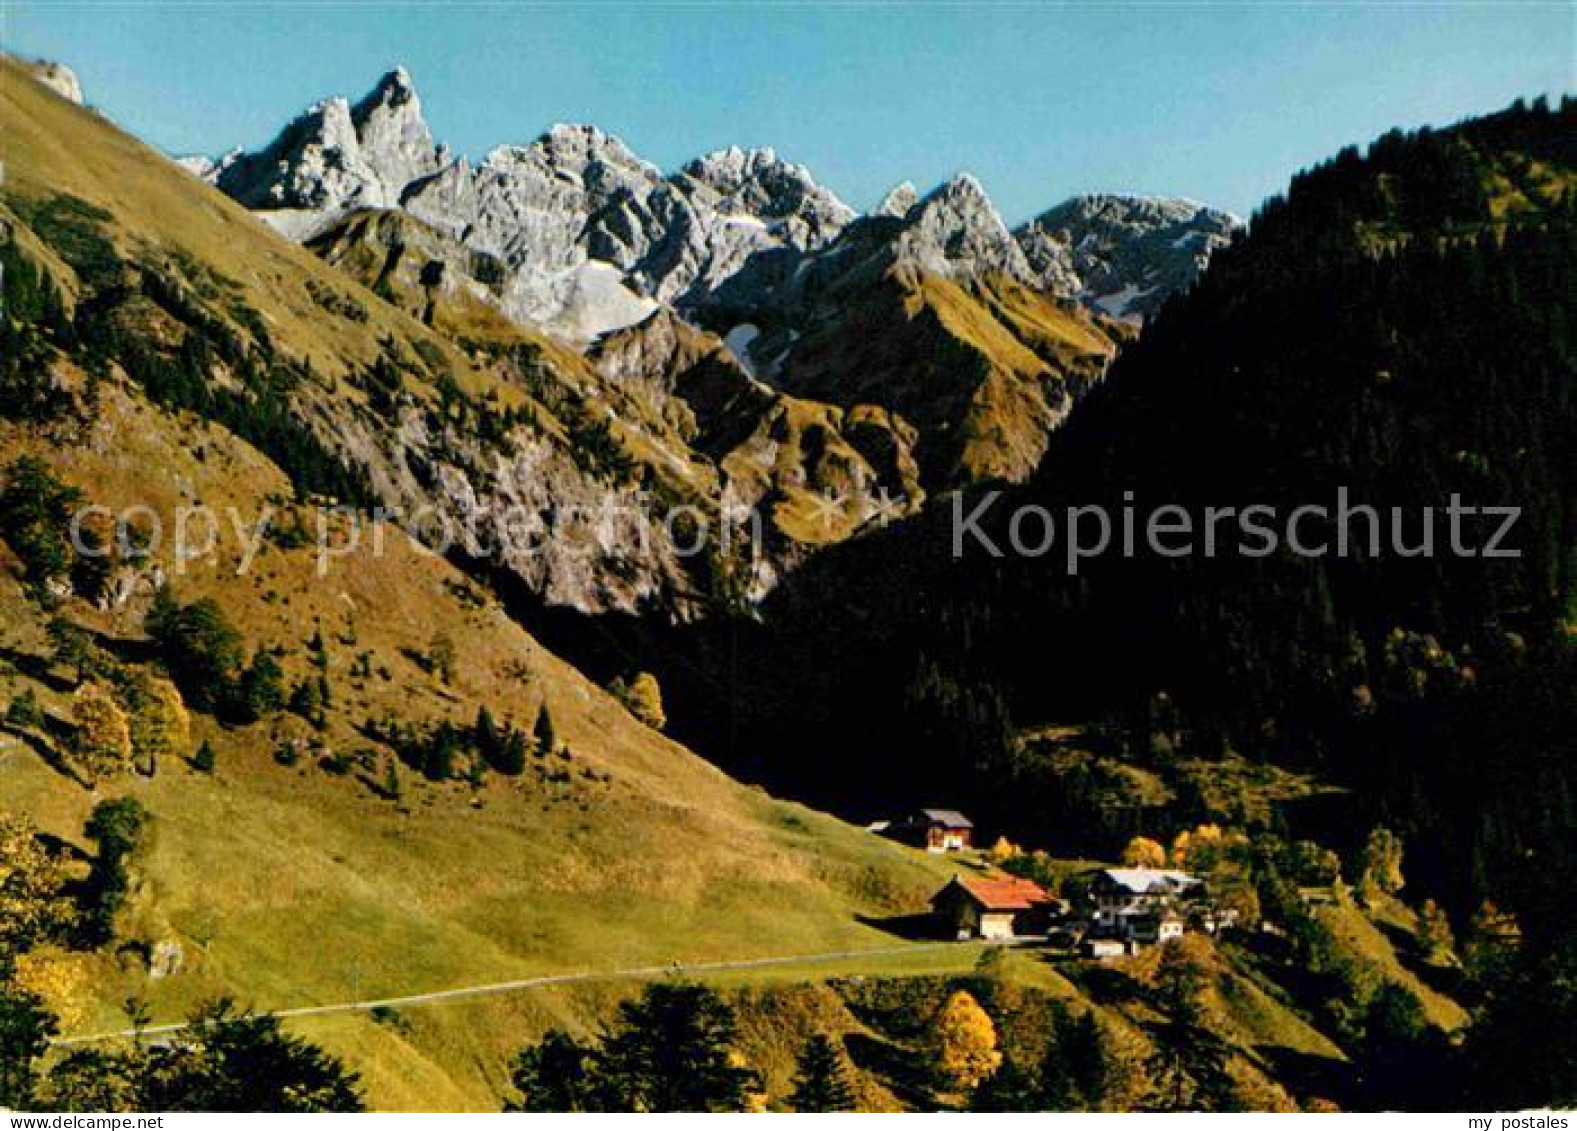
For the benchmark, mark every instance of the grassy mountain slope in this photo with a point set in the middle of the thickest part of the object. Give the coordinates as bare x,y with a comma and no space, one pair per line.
295,884
392,607
985,371
284,876
53,147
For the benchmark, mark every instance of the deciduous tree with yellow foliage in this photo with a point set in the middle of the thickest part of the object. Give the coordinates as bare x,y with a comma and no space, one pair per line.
58,978
103,741
160,725
965,1040
1142,852
1003,851
30,887
1434,934
1380,870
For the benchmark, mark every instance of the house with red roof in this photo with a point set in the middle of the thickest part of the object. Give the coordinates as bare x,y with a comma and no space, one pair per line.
996,907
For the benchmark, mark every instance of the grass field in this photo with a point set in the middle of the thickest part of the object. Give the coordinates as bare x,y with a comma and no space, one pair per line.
291,886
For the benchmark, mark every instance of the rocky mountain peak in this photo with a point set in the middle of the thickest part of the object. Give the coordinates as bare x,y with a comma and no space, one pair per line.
1124,254
335,158
963,186
728,169
395,86
899,200
590,233
579,149
955,231
1119,208
392,134
760,183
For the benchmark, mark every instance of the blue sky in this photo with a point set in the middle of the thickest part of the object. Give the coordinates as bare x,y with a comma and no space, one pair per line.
1221,101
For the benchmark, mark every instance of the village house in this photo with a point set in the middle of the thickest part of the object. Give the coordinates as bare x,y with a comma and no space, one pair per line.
1129,909
1154,927
996,908
1146,905
935,830
1103,948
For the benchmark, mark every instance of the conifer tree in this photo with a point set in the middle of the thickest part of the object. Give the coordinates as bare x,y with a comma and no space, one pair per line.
557,1075
392,786
546,736
73,647
673,1050
484,732
1008,1089
26,711
35,513
821,1081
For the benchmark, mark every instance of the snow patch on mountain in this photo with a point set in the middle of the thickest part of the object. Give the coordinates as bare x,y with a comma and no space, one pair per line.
1122,304
738,340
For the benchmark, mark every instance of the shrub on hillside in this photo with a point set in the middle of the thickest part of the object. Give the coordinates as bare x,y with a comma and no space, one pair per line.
120,831
101,747
200,647
642,697
205,656
160,725
25,711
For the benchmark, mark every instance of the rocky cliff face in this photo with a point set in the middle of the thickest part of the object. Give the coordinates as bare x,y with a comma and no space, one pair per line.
336,158
594,236
757,182
59,78
743,335
1124,255
931,311
955,232
698,429
814,473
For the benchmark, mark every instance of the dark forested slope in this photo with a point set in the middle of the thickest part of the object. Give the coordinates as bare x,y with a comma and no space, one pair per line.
1399,325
